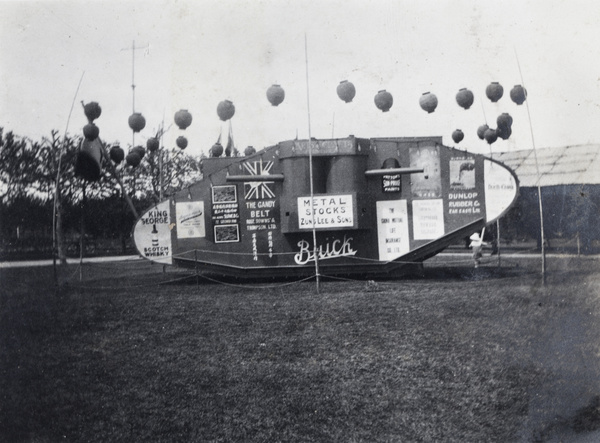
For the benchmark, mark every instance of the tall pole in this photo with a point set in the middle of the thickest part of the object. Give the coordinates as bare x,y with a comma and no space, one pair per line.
133,48
310,172
57,184
537,167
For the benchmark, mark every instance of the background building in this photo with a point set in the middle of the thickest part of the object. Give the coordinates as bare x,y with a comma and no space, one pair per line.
570,184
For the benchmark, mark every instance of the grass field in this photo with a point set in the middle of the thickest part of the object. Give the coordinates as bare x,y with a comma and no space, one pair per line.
461,355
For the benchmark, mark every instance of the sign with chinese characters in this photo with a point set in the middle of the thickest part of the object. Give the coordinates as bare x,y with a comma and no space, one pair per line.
152,234
225,214
190,219
330,211
428,219
392,229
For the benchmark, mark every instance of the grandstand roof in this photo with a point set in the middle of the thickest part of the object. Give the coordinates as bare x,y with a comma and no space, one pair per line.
558,166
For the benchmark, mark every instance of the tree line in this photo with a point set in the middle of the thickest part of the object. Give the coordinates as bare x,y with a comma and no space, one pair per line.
40,191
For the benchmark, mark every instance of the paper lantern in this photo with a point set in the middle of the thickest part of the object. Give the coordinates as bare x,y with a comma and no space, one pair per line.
152,144
346,91
183,119
504,120
181,142
490,135
117,154
428,102
92,111
139,150
91,131
133,159
518,94
494,91
225,110
481,131
275,95
464,98
504,132
384,100
137,122
216,150
458,136
249,151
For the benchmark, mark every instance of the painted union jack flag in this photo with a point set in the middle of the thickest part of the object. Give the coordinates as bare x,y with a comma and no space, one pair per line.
258,190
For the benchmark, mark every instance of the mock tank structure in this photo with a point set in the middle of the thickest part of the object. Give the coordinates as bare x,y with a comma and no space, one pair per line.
377,206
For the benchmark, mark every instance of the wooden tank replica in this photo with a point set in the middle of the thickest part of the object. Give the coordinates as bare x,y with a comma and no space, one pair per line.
378,206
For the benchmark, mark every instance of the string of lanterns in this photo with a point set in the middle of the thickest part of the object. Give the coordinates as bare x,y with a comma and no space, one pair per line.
275,94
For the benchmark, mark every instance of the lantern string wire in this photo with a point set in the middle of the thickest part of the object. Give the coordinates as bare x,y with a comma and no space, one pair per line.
537,167
310,165
57,185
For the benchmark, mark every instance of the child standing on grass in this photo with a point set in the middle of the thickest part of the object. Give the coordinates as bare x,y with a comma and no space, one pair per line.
477,245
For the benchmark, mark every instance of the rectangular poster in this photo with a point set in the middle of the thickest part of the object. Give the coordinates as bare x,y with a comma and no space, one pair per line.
330,211
190,219
225,214
429,183
392,229
428,219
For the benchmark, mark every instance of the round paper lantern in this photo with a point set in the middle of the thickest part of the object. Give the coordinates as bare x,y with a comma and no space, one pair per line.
116,154
275,95
152,144
181,142
183,119
137,122
458,136
428,102
504,132
133,159
518,94
481,131
249,151
91,131
464,98
225,110
490,135
216,150
384,100
139,150
494,91
504,120
92,111
346,91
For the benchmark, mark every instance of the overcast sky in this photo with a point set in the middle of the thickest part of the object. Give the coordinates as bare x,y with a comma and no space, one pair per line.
194,54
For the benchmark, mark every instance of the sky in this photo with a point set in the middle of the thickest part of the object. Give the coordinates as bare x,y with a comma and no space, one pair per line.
194,54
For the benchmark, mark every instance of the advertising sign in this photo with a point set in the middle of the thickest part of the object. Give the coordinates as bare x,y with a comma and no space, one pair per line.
392,229
428,219
152,234
500,189
330,211
190,219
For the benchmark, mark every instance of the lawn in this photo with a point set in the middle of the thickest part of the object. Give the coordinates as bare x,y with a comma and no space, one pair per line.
129,353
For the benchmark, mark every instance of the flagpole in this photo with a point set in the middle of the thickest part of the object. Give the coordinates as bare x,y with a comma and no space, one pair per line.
310,171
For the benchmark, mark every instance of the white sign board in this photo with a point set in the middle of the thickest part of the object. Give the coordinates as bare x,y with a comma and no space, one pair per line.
330,211
500,189
428,219
392,229
152,234
190,219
